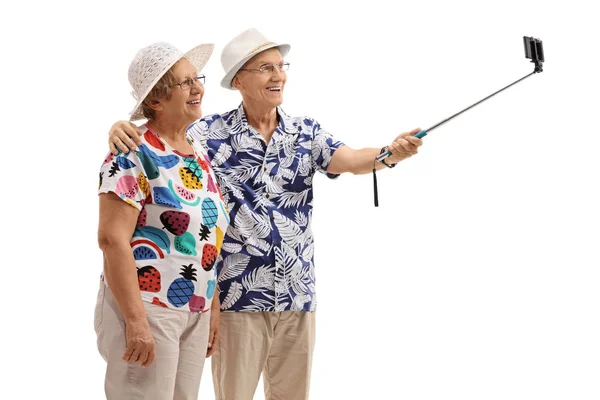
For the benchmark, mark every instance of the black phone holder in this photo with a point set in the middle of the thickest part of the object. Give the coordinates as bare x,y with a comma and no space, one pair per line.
534,50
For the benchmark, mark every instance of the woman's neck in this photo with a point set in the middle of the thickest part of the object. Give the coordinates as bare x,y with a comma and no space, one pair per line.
173,134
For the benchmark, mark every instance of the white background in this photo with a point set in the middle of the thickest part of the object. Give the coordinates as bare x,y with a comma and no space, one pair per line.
476,278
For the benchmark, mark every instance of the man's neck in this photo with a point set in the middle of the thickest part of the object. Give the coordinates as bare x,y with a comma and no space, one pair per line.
263,120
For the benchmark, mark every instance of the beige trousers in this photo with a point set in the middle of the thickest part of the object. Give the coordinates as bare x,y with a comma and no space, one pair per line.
277,344
181,339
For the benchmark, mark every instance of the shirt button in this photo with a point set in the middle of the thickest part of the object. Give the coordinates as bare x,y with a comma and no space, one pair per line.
265,169
277,243
267,195
272,218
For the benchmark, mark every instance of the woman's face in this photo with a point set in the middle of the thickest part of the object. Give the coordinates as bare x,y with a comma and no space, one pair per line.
184,104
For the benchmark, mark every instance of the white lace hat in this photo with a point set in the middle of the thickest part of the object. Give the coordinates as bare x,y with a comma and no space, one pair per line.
242,48
152,62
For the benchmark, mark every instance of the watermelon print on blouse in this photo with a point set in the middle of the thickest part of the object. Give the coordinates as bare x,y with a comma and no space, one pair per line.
181,225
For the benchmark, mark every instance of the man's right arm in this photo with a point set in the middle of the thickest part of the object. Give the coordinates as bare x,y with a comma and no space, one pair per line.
124,135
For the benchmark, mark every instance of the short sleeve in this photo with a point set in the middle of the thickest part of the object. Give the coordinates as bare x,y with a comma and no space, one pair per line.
124,176
324,145
198,131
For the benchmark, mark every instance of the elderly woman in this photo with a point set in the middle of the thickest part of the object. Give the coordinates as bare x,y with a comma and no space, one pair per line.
266,160
162,222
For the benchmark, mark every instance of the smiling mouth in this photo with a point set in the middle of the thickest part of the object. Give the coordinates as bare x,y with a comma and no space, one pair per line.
274,89
193,102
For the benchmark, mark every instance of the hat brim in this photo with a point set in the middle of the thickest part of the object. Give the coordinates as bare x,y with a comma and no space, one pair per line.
226,81
198,57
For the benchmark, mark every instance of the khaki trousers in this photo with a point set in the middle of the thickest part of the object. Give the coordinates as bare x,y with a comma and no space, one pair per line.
181,339
277,344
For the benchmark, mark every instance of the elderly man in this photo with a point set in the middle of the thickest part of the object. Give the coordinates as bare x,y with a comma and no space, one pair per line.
265,161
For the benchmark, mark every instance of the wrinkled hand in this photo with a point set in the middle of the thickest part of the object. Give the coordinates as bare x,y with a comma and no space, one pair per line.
140,343
404,146
121,135
215,321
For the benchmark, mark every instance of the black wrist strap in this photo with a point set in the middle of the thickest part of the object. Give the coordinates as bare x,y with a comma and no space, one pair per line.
387,165
375,194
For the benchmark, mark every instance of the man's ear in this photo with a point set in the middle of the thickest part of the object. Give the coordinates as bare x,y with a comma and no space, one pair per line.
235,82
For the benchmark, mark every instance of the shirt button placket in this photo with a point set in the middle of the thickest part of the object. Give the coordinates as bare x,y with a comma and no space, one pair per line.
271,149
265,177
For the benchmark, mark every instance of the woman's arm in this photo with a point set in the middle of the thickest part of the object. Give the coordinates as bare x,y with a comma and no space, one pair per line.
115,229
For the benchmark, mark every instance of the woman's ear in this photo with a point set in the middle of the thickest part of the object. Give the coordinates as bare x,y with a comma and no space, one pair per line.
156,105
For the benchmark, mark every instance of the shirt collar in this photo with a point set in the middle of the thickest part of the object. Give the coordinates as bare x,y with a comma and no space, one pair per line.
286,124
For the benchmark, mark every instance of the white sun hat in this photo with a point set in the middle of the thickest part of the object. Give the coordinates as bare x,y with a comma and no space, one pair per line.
152,62
242,48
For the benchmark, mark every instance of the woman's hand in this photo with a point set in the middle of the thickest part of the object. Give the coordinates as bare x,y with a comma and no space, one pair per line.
140,343
215,320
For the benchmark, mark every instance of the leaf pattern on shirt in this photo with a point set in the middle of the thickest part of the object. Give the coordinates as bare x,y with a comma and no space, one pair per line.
243,172
251,225
291,199
218,134
275,184
233,265
304,165
259,304
289,230
222,154
261,203
300,301
242,143
232,247
281,306
259,280
286,174
300,218
266,261
253,251
288,145
233,295
259,244
287,161
308,251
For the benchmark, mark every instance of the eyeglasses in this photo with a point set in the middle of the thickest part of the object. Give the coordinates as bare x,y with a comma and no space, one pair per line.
188,83
269,68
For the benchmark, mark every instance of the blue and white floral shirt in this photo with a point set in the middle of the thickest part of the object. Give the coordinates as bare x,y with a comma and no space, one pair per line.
266,262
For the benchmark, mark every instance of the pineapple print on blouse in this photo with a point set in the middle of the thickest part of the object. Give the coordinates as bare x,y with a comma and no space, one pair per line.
181,225
266,262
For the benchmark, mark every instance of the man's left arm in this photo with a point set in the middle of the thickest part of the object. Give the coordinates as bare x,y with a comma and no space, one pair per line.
362,161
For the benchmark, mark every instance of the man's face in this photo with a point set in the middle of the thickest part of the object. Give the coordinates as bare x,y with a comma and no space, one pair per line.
262,88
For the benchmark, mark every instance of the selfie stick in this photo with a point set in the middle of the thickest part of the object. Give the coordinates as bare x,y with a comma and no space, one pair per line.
533,50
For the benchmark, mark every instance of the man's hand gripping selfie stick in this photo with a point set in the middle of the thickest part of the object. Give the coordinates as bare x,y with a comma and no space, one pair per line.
533,50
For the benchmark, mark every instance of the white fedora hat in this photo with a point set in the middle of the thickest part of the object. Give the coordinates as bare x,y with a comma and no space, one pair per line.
152,62
242,48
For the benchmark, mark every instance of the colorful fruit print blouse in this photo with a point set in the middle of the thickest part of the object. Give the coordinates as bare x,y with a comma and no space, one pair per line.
181,224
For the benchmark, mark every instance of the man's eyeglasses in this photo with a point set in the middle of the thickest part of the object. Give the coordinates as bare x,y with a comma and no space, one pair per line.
188,83
269,68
